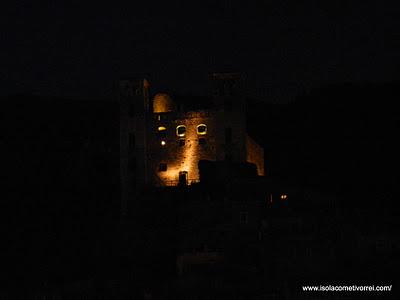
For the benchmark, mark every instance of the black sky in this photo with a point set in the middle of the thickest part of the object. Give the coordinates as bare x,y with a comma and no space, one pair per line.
78,50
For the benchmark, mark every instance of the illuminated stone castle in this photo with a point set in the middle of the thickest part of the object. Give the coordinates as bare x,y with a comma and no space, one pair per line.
161,142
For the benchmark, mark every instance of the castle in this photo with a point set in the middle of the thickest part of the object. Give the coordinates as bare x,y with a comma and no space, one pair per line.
161,143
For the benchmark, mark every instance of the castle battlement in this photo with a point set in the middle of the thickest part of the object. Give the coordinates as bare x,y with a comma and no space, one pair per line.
161,144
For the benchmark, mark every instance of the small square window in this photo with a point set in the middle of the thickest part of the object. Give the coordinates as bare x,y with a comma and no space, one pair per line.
162,167
181,130
202,141
202,129
181,142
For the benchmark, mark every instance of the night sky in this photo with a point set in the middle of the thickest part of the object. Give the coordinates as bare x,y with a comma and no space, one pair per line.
79,50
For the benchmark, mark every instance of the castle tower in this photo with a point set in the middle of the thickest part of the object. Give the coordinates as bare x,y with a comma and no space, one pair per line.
229,101
179,140
161,145
228,90
133,96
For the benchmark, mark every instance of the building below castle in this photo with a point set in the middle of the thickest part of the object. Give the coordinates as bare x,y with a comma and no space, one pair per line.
162,141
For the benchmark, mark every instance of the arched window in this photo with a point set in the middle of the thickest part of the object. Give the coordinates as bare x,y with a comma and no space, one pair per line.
202,129
181,130
161,128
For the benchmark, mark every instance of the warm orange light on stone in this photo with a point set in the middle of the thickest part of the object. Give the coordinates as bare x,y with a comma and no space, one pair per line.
255,155
163,103
185,157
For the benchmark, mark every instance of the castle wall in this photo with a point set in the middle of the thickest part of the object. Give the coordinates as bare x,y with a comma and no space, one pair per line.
179,157
181,153
152,152
235,149
255,154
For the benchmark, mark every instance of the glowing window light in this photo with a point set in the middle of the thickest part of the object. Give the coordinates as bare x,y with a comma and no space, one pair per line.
283,197
163,143
161,128
181,130
202,129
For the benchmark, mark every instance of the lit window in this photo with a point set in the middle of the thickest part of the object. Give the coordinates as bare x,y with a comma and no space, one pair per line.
201,129
283,197
162,167
181,130
163,143
162,131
